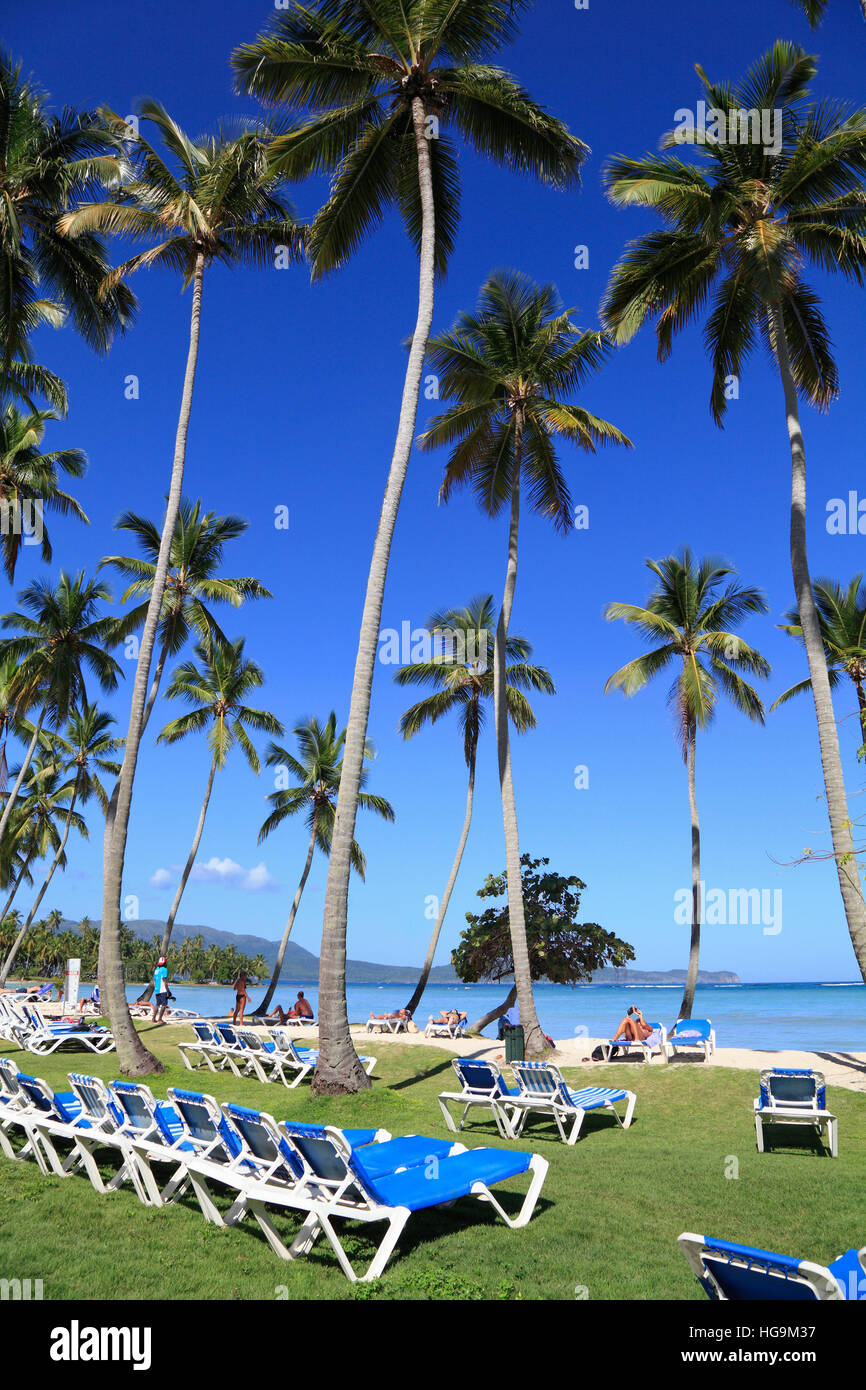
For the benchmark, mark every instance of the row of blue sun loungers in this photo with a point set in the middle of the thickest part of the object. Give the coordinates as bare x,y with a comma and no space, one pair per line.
324,1175
246,1053
26,1025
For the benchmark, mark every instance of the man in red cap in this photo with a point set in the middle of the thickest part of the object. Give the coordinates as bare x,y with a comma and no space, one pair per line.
160,991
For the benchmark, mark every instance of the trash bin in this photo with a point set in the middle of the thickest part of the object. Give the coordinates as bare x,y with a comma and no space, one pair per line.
514,1043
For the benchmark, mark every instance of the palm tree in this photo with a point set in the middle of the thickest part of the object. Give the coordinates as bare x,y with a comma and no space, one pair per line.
11,719
740,227
814,10
28,476
462,675
84,751
317,771
46,162
842,619
219,203
216,688
508,369
383,82
61,637
192,584
46,796
691,621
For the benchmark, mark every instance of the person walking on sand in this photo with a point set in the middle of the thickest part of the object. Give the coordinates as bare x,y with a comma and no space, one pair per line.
241,998
160,991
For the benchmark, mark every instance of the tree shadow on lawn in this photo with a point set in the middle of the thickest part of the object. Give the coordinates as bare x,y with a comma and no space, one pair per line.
420,1076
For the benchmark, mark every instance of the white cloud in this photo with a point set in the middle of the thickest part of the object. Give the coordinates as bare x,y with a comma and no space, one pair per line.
233,875
163,878
218,871
258,880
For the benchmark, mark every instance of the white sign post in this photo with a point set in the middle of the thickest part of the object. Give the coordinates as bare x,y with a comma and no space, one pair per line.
70,992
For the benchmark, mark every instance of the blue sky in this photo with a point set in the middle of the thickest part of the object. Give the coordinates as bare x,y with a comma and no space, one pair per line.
296,404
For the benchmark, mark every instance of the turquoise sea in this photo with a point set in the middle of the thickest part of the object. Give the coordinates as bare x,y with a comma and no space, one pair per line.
826,1016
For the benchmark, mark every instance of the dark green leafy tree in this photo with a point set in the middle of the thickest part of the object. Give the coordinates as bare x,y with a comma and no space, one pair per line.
461,674
388,88
561,949
742,222
692,621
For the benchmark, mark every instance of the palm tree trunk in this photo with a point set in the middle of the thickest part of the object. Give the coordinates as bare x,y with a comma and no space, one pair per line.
449,888
16,945
16,885
133,1057
155,684
13,795
494,1013
695,946
275,977
844,852
184,878
338,1069
861,697
535,1042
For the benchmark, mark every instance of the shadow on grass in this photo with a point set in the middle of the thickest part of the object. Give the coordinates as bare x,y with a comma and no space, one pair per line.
427,1075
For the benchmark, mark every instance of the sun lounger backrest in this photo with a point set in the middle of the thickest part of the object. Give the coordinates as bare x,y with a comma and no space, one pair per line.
479,1077
539,1079
95,1098
38,1092
203,1032
227,1034
9,1084
137,1102
324,1153
203,1120
744,1274
790,1086
699,1028
262,1137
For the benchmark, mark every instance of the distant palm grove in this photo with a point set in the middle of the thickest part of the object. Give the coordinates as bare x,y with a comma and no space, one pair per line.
383,98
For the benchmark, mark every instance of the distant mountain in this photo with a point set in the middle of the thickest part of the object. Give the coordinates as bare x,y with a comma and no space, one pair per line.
301,967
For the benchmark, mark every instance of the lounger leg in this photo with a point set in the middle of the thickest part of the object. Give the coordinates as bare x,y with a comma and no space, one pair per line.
503,1124
306,1237
205,1201
575,1128
446,1113
759,1132
538,1166
271,1234
383,1254
371,1062
632,1101
833,1136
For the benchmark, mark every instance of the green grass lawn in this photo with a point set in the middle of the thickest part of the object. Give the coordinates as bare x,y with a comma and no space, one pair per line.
607,1220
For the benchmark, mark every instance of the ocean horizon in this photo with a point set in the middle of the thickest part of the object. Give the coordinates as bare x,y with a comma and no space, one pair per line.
818,1015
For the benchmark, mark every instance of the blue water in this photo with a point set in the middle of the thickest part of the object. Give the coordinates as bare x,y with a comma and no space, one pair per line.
815,1017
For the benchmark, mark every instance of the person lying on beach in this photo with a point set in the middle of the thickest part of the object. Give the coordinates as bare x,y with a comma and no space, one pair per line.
398,1013
451,1018
634,1027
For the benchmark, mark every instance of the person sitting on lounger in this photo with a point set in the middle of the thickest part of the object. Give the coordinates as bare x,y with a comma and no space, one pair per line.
301,1009
398,1013
634,1027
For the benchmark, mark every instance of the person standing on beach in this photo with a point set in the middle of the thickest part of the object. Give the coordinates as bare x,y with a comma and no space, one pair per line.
160,991
241,998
